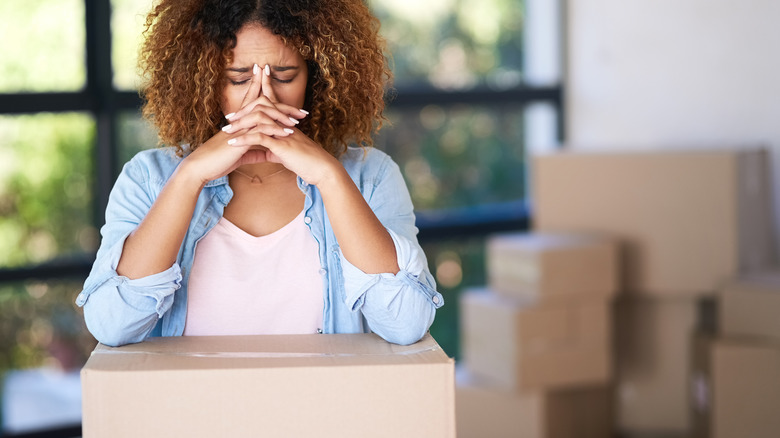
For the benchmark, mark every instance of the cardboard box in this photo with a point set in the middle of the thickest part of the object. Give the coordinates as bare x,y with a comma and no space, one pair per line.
553,266
489,411
300,385
746,389
700,385
751,306
653,340
517,344
688,221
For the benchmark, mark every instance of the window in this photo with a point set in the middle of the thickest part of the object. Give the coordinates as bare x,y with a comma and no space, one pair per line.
477,84
57,118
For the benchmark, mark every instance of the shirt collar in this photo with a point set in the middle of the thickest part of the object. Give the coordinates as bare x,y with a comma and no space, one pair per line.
217,182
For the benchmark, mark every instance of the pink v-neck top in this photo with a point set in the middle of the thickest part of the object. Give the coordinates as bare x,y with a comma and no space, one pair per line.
244,285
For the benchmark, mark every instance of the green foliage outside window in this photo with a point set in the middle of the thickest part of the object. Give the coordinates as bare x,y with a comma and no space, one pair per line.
453,44
43,46
46,187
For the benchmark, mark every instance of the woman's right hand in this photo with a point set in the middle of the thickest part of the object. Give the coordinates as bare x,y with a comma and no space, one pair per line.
217,157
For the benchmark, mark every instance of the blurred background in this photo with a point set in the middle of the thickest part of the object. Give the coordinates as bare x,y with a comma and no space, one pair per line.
482,86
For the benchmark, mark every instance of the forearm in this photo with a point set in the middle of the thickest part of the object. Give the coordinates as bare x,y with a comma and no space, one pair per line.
363,239
153,246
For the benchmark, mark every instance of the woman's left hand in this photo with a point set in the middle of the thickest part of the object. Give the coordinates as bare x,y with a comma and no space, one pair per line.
297,151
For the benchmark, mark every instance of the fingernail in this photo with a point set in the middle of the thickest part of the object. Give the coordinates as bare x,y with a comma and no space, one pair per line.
304,111
227,128
288,130
255,69
294,120
232,141
230,116
267,70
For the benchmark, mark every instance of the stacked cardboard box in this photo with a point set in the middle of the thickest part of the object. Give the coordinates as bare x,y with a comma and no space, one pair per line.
539,338
489,410
652,365
688,221
298,385
736,388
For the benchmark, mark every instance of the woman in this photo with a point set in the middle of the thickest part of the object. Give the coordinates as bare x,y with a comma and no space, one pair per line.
260,219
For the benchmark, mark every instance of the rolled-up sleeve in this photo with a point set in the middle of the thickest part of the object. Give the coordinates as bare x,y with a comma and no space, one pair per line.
398,307
118,310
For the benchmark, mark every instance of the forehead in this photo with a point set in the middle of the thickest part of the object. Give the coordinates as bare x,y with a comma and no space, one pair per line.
256,44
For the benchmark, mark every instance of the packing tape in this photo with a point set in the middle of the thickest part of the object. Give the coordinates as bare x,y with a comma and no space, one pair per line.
264,354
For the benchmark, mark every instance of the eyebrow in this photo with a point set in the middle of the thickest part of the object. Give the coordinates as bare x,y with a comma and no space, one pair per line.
274,68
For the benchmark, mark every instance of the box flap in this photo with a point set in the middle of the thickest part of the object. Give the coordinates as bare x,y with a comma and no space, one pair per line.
541,241
262,351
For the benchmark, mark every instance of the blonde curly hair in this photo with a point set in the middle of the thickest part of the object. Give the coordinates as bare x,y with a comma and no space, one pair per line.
188,44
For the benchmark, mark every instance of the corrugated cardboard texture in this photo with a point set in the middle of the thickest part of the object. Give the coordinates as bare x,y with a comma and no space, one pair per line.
298,385
488,411
751,307
746,390
553,266
653,360
517,344
688,220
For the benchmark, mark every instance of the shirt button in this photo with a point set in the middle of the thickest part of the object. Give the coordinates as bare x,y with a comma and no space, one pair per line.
435,299
307,220
323,271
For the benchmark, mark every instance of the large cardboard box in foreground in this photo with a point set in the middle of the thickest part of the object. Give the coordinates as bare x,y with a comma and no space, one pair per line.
298,386
688,221
489,411
562,267
751,306
517,344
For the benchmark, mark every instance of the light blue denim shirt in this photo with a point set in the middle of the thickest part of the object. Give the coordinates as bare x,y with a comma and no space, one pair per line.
398,307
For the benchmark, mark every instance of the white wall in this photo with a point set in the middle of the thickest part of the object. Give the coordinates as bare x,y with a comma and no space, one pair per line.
673,73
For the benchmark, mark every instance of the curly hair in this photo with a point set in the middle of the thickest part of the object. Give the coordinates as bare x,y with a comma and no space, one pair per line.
188,44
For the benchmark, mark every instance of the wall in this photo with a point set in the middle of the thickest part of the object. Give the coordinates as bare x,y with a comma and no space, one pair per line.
673,73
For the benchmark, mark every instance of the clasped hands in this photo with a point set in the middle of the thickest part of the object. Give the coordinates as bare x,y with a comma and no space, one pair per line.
262,130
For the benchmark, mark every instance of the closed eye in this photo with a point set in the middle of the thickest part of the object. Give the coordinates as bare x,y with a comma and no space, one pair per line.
238,82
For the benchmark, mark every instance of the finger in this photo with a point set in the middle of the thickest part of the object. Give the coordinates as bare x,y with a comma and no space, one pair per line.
281,113
255,86
260,114
253,138
268,89
253,156
292,111
289,110
270,129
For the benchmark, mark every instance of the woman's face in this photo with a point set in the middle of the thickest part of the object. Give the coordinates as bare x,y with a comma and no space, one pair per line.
256,45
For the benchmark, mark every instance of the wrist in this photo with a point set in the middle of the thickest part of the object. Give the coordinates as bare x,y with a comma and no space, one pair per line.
188,175
335,175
